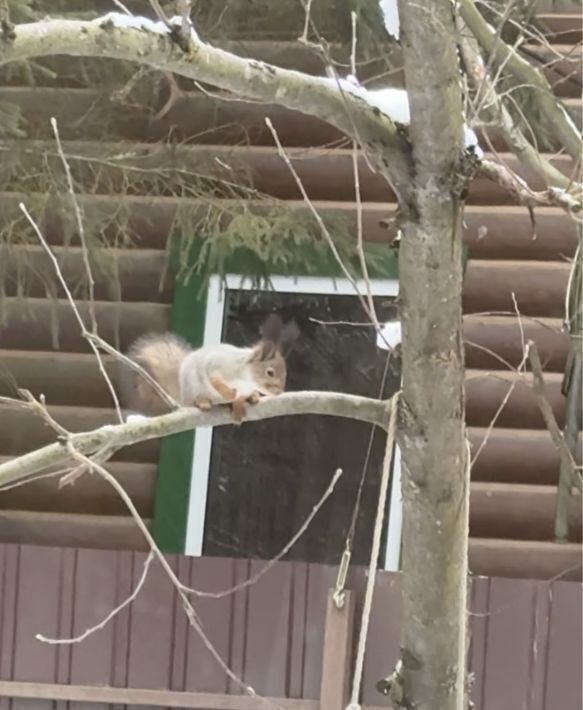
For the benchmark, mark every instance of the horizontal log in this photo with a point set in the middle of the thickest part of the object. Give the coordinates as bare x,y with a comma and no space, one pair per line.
518,511
140,275
492,232
539,287
490,557
133,274
562,28
562,65
509,455
89,495
325,174
22,431
101,532
88,114
508,400
514,456
526,559
506,232
40,324
493,342
552,7
57,376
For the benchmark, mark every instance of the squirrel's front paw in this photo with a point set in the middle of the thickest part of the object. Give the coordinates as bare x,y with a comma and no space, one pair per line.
254,398
238,409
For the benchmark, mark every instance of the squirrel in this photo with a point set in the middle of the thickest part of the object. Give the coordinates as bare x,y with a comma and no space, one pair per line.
209,375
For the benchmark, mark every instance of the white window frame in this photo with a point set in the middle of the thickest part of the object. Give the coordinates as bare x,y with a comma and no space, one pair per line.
213,326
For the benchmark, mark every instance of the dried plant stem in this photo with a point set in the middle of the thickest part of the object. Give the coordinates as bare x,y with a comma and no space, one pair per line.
73,305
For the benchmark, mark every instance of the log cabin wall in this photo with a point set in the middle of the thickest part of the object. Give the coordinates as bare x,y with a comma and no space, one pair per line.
514,477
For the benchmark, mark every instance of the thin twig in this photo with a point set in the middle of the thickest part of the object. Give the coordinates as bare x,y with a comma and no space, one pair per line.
73,305
112,614
122,7
254,578
319,220
546,410
307,20
80,225
358,197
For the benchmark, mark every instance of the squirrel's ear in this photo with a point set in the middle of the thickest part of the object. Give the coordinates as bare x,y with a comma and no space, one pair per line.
289,334
264,350
271,328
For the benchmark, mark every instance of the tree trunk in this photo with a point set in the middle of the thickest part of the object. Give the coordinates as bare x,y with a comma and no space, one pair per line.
432,430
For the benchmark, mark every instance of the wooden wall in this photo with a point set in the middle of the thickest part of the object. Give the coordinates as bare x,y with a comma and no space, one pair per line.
514,476
526,646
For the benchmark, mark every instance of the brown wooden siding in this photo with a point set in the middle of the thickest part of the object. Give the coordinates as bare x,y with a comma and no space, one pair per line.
526,648
514,476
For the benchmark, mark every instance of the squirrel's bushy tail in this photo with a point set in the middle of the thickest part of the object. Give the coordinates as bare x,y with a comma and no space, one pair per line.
160,354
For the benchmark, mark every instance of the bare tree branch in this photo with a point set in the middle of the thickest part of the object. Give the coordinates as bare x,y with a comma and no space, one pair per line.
144,42
500,53
493,107
521,192
545,407
325,403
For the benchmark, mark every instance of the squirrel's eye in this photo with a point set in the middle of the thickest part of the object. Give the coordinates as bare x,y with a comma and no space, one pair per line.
270,372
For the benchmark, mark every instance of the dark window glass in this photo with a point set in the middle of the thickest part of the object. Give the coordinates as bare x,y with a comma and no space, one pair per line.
265,477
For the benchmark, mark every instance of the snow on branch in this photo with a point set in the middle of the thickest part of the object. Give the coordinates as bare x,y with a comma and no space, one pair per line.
158,45
390,11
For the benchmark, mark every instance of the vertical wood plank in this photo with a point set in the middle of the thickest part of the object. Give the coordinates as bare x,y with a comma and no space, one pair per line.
268,630
95,597
383,640
66,606
121,633
506,677
337,653
240,605
565,658
150,628
37,612
479,607
320,579
182,567
202,672
9,555
539,650
298,629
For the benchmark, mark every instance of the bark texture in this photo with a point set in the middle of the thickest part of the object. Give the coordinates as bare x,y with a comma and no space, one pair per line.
115,437
432,430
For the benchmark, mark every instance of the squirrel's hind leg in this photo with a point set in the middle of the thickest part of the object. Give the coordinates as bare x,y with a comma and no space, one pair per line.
203,404
226,392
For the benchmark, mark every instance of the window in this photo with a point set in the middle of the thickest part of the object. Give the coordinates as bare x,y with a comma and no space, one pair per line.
247,490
